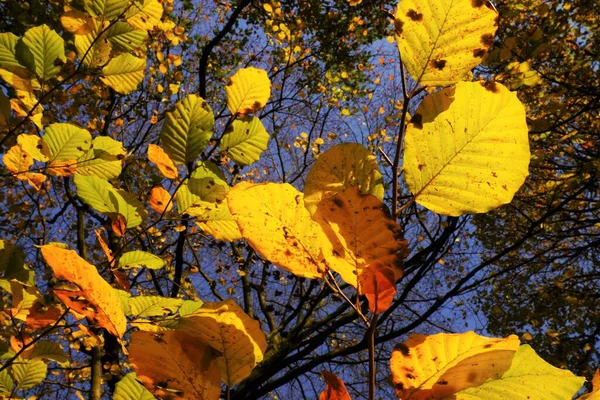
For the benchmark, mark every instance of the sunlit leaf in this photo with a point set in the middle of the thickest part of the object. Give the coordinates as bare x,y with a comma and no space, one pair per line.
17,160
124,37
77,22
47,50
34,146
378,284
245,140
66,142
105,9
441,41
101,305
153,306
248,91
437,366
467,149
140,259
41,316
228,329
187,129
144,14
93,51
104,159
23,298
129,388
47,350
177,361
8,58
61,168
22,105
340,167
165,165
160,200
216,220
529,377
274,221
363,234
208,182
6,382
335,388
124,73
28,373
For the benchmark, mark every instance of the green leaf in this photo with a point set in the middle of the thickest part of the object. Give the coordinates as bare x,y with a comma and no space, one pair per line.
467,149
103,159
12,264
124,37
105,9
28,374
46,48
216,220
140,259
529,377
66,141
153,306
441,41
208,182
187,129
245,140
6,382
8,58
144,14
124,73
189,306
340,167
129,388
46,350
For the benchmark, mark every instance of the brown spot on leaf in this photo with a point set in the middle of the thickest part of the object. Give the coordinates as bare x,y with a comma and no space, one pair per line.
487,346
398,24
487,39
421,166
504,187
410,376
229,83
477,3
438,64
415,16
441,382
478,53
403,349
472,377
256,106
399,386
490,86
494,174
338,202
417,121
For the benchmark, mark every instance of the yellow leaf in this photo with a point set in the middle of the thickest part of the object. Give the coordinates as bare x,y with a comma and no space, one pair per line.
340,167
437,366
20,81
467,149
96,299
216,220
17,160
248,91
124,73
23,103
362,232
441,41
93,51
77,22
245,140
160,200
165,165
66,142
174,364
104,159
34,146
228,329
144,14
62,168
274,221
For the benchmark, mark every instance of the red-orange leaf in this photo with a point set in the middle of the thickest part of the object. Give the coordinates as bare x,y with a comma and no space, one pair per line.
164,163
160,200
96,299
378,283
40,316
335,389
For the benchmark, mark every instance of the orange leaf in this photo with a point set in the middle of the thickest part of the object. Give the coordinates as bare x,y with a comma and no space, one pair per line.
62,168
160,200
379,285
164,163
17,160
40,315
118,224
100,303
176,365
121,280
105,247
335,389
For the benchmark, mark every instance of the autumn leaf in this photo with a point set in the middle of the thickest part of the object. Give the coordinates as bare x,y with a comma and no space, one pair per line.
104,159
66,142
175,364
165,165
438,366
92,48
99,302
124,73
144,14
245,140
248,91
160,200
378,284
467,149
129,388
335,389
41,315
216,220
274,221
77,22
237,338
42,50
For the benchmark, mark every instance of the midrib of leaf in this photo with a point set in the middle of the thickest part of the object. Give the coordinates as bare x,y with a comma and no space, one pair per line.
424,68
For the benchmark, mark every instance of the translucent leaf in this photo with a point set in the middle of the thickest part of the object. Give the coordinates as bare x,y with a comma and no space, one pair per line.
248,91
6,382
140,259
23,103
23,298
47,50
12,264
245,140
189,306
378,284
41,316
335,388
436,366
104,159
186,201
124,73
66,142
129,388
92,51
529,377
208,182
8,58
441,41
4,110
144,14
216,220
77,22
153,306
228,329
17,160
160,200
274,221
47,350
187,129
105,9
363,234
34,146
176,360
467,149
124,37
28,374
96,299
340,167
165,165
